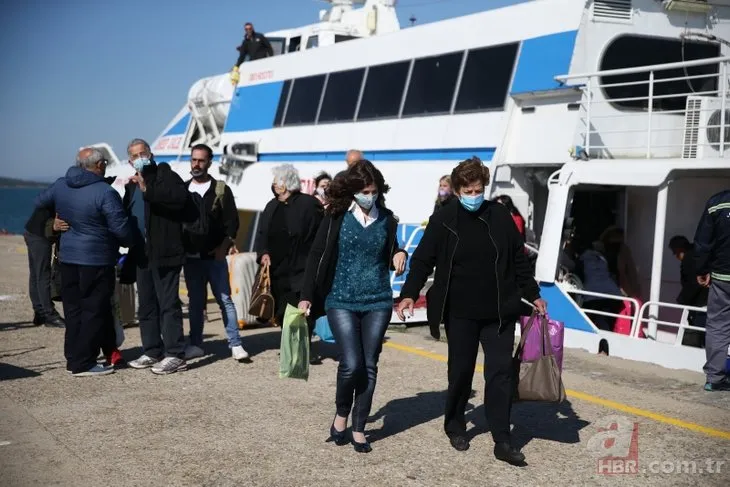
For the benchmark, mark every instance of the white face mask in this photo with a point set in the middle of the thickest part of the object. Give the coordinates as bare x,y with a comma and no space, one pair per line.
320,192
366,201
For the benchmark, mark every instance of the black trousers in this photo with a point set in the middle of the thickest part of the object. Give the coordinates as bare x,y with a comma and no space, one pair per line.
40,251
87,307
464,337
160,312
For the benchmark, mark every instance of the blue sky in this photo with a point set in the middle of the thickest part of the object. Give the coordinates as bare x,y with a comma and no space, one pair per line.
77,72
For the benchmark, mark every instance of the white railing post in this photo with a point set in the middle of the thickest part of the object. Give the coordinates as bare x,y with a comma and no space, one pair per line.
658,256
587,139
651,109
723,85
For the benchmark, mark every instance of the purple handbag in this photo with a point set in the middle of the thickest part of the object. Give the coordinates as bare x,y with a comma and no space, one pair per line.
533,343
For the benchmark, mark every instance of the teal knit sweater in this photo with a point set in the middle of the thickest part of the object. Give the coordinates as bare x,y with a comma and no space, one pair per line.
362,276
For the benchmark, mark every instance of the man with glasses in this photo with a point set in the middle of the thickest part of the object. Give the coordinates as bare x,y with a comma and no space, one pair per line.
155,199
97,227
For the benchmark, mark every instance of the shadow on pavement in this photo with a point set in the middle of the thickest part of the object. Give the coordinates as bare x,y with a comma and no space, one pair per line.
11,372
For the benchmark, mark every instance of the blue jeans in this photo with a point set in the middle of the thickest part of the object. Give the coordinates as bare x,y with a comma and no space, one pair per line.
360,338
198,272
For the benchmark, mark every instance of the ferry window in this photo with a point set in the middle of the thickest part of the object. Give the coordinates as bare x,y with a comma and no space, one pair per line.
282,103
486,78
304,100
341,38
277,44
633,51
312,41
432,84
340,98
295,43
383,91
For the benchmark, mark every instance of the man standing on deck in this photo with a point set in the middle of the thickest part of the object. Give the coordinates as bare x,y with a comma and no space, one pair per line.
255,45
712,261
156,198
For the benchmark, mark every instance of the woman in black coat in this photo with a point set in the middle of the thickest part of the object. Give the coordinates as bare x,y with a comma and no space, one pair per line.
482,274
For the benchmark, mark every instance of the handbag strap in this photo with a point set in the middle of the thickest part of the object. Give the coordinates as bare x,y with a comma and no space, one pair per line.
545,348
266,276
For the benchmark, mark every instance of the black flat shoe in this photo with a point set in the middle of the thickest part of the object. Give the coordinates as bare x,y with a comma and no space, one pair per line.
338,437
362,447
315,360
55,323
459,442
509,454
38,319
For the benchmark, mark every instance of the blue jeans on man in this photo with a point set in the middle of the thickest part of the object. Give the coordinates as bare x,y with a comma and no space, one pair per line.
198,272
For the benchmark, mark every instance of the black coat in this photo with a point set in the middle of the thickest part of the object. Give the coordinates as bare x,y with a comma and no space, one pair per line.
166,203
223,220
437,247
322,261
303,219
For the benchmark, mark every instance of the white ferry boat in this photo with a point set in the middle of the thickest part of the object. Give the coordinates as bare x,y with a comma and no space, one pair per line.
595,112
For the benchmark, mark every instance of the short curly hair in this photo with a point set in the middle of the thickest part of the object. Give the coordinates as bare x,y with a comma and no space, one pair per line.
469,171
287,175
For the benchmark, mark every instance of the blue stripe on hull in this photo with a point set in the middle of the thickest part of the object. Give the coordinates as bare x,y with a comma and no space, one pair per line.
379,156
562,308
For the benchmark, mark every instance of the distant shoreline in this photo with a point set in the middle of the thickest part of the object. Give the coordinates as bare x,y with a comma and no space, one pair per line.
10,183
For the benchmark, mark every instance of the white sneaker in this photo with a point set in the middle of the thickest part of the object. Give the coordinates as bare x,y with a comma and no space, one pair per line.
192,351
143,362
239,353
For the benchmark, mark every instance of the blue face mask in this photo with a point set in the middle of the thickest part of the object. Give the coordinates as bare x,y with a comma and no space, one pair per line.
366,201
140,163
472,203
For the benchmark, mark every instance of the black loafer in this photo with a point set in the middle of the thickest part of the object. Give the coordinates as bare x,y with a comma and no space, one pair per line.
459,442
509,454
38,319
56,323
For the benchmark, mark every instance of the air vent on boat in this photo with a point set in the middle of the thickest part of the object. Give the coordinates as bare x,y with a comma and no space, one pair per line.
695,6
703,123
612,10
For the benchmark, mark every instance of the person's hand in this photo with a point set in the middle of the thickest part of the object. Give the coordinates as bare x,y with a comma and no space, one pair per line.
139,181
405,304
59,225
704,281
265,259
399,263
233,250
540,306
305,306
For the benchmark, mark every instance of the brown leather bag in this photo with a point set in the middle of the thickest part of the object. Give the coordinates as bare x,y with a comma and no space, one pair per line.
262,301
538,380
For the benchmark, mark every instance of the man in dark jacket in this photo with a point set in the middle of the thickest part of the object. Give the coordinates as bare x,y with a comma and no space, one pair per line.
255,45
286,232
692,293
156,198
208,242
39,239
88,252
712,266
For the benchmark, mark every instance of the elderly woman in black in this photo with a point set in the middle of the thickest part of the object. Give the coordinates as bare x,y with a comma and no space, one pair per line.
348,277
482,275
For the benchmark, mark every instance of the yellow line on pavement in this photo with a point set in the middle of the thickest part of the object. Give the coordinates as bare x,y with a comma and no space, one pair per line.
697,428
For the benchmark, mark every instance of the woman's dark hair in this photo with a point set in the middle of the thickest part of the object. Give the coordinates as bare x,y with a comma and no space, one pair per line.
343,188
468,172
507,201
321,177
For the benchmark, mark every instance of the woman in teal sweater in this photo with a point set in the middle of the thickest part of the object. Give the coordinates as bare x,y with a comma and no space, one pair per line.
348,279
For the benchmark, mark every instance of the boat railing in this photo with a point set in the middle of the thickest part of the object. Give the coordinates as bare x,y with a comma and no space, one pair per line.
681,327
634,302
664,110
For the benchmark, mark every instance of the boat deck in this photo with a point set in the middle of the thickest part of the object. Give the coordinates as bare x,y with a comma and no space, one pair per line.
223,423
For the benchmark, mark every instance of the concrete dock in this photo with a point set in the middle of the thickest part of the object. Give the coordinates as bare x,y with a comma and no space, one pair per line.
222,423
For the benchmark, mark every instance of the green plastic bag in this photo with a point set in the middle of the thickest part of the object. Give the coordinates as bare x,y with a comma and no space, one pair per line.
294,353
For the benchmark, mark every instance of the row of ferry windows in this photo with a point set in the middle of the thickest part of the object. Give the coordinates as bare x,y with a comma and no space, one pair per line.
428,87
